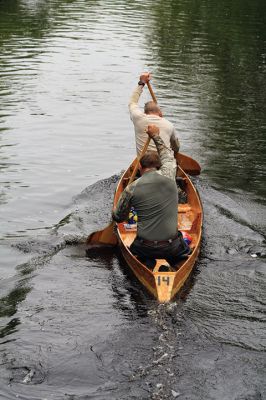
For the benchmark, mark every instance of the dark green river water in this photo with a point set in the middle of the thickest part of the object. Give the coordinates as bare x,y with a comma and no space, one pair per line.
75,327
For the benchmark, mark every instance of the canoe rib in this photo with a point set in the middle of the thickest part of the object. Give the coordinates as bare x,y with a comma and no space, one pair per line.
164,285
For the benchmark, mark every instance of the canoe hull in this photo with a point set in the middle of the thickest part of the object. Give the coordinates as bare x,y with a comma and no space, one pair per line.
164,285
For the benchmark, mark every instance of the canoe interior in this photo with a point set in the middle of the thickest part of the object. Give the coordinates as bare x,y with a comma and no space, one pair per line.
164,285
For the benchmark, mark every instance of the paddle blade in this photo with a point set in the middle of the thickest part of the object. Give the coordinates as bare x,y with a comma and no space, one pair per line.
106,236
188,165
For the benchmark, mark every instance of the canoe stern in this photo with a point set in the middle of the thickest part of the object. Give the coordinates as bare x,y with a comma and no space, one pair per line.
164,282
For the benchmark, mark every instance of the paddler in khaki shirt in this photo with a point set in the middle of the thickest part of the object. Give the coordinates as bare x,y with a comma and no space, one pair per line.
152,115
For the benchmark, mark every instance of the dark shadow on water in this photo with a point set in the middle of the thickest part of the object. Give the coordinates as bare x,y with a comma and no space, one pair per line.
127,290
102,255
8,304
11,327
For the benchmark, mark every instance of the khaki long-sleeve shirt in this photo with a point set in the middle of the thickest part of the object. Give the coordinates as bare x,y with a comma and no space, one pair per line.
142,120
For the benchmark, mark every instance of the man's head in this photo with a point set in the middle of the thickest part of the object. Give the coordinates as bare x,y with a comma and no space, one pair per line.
152,108
150,160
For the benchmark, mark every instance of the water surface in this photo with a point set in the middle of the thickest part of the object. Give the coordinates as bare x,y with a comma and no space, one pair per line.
76,327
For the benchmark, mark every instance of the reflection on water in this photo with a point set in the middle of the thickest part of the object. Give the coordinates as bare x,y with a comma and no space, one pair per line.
81,326
214,57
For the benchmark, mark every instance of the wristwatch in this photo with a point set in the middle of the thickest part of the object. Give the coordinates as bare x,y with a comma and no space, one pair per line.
140,83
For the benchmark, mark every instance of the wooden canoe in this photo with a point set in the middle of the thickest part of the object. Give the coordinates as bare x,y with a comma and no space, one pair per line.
164,285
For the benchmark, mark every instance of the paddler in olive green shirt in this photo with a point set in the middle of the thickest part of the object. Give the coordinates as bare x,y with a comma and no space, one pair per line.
154,196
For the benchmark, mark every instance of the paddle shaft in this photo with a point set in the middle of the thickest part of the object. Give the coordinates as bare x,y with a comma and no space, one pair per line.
143,151
151,92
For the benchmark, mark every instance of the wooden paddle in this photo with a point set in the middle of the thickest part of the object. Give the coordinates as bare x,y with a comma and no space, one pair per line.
187,163
107,235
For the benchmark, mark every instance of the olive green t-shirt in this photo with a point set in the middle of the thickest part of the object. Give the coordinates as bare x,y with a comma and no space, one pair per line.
155,200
